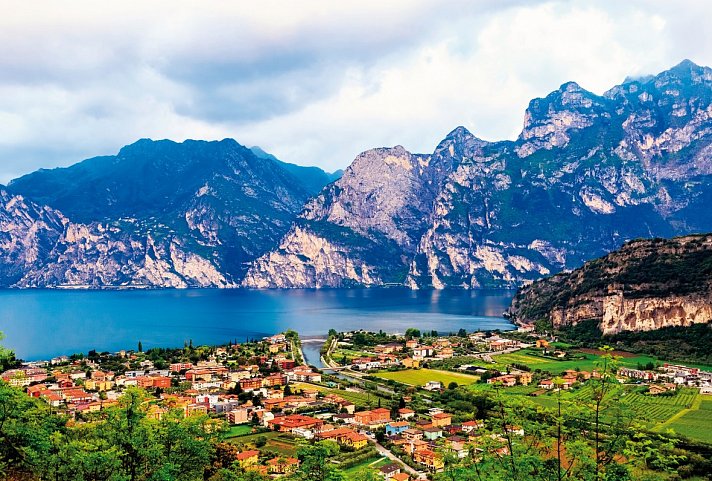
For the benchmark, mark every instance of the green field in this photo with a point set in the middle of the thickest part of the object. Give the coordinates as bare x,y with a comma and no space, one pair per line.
587,362
373,463
419,377
240,430
284,444
655,411
338,355
361,399
695,423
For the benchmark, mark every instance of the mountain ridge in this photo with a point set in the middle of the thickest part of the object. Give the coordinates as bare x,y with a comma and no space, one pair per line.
586,173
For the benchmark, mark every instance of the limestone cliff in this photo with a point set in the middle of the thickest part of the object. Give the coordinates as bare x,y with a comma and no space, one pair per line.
360,230
646,285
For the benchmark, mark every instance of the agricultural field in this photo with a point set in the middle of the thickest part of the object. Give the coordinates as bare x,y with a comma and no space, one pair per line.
360,399
419,377
696,422
586,361
656,411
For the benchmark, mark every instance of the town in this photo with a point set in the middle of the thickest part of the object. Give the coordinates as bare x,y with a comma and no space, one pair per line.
389,404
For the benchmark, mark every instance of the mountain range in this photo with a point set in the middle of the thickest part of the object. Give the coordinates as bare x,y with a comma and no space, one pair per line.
587,173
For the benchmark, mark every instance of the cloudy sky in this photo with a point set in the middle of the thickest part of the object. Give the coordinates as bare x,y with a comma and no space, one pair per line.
314,82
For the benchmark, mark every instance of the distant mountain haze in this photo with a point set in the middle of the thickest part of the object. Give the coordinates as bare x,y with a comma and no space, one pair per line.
586,174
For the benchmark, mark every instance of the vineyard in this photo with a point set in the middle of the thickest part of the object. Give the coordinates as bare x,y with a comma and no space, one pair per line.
696,422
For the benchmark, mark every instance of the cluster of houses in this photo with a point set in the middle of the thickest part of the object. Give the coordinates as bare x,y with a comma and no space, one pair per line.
412,353
83,386
426,438
669,376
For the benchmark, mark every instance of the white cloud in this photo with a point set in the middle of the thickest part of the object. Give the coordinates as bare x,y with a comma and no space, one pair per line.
314,82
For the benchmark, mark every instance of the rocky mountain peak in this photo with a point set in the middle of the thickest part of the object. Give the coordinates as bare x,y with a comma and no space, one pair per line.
549,120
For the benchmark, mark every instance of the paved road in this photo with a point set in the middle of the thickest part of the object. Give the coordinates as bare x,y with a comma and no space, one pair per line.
385,452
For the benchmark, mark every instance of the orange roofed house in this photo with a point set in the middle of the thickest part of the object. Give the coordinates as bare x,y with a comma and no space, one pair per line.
375,417
287,424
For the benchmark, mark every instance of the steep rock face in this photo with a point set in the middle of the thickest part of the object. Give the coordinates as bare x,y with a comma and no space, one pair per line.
587,173
166,214
41,248
28,233
363,228
646,285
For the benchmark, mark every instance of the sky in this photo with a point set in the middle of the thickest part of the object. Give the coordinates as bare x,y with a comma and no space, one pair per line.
312,82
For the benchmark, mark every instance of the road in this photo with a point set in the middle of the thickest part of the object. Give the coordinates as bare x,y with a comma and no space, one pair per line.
385,452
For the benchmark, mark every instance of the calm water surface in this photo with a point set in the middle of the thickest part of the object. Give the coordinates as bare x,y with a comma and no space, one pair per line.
40,324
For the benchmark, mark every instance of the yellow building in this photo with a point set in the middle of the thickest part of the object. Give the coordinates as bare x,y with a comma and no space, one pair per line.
247,458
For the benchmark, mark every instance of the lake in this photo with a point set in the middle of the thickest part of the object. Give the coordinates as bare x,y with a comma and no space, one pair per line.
40,324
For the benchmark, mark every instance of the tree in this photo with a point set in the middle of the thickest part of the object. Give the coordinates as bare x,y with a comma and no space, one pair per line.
412,333
140,346
314,463
7,356
462,333
452,385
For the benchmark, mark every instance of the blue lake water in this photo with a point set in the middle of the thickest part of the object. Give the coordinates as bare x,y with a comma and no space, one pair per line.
40,324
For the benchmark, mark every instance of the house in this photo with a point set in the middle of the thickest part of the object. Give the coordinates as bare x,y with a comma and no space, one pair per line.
247,458
250,384
441,419
433,386
400,477
238,416
396,427
293,422
412,434
457,446
389,470
423,351
446,353
405,413
345,437
410,362
469,426
430,459
432,433
281,465
655,389
523,377
180,366
411,344
638,374
285,364
542,344
375,417
546,384
506,380
275,380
